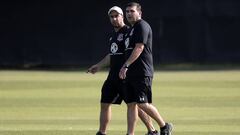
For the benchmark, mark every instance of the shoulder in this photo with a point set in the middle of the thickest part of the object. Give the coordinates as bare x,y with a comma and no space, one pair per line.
110,35
144,23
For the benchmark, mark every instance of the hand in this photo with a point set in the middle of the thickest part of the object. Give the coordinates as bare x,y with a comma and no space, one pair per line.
123,72
93,69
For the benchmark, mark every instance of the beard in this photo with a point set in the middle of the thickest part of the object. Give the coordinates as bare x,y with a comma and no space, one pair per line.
116,26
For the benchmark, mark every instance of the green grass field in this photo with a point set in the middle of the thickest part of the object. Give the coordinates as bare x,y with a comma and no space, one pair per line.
67,103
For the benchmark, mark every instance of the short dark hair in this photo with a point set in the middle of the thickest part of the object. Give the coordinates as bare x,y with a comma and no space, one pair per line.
131,4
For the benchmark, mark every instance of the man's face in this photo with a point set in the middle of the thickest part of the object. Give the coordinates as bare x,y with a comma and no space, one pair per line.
116,19
132,14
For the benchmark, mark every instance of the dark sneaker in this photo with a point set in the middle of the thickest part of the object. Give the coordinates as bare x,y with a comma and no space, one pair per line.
167,129
152,133
99,133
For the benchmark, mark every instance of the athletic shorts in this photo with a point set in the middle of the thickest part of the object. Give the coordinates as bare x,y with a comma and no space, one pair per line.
112,91
138,90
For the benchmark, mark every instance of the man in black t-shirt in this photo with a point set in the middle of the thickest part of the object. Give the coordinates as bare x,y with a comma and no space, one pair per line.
112,89
138,70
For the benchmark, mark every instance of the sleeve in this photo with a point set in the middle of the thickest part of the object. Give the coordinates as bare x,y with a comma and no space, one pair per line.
141,33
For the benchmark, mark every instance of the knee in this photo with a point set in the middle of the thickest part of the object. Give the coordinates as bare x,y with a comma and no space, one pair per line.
131,105
143,106
105,106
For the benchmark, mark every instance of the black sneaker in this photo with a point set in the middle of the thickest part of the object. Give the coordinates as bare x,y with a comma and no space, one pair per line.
152,133
99,133
167,129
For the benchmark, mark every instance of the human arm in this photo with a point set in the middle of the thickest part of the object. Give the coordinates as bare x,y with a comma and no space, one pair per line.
133,57
103,63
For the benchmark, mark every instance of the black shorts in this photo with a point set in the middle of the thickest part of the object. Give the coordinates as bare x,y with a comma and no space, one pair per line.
112,91
138,90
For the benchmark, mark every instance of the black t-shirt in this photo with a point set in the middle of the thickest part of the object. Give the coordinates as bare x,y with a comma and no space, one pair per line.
117,47
140,32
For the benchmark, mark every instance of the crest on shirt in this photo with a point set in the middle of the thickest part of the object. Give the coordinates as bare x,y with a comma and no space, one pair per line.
126,42
131,33
114,47
120,37
110,38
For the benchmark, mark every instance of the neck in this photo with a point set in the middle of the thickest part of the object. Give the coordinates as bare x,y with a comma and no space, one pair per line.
118,28
136,21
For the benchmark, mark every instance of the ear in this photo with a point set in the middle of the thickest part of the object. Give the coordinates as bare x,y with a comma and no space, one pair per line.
140,13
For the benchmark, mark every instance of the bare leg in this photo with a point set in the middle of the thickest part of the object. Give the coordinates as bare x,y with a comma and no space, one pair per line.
146,119
152,112
132,116
105,117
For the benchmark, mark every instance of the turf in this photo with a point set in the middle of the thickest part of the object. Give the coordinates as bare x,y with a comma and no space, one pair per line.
67,103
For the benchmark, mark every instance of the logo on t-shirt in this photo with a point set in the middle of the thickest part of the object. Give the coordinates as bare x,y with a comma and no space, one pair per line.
114,48
120,37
